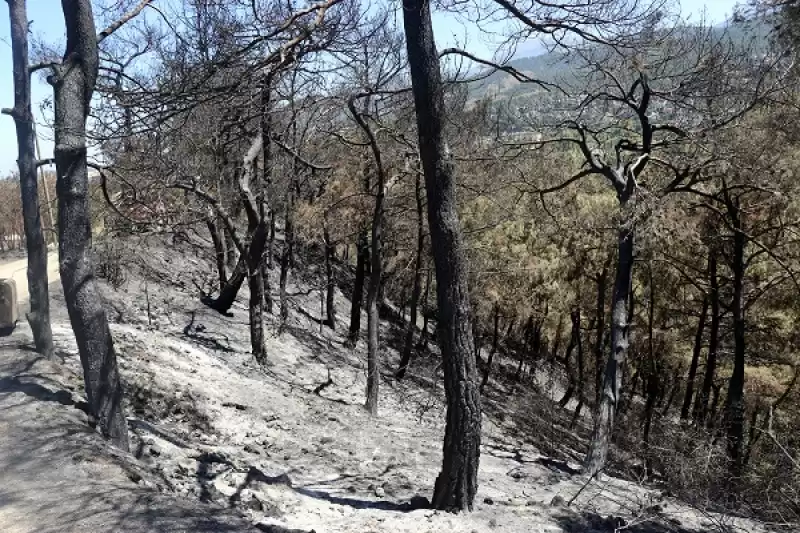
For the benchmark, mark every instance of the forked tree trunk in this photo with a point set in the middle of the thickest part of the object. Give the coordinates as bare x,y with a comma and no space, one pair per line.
38,295
698,346
374,292
73,83
612,380
457,482
701,402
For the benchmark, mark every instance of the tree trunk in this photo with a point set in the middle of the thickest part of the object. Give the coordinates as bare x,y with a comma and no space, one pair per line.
362,258
286,257
734,404
600,327
227,296
495,341
581,384
256,305
701,402
416,290
38,295
457,482
73,83
574,341
330,280
652,365
234,263
422,345
373,292
217,238
698,346
612,380
271,242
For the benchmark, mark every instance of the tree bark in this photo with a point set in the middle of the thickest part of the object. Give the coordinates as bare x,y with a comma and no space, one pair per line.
734,404
600,327
652,365
38,294
408,343
217,238
362,258
422,345
698,346
286,257
701,401
493,351
574,342
612,379
330,280
457,482
73,83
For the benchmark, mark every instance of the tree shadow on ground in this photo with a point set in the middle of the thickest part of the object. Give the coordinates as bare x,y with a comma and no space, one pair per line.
256,475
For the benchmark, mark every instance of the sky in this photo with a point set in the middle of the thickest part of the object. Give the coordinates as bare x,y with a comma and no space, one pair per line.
47,26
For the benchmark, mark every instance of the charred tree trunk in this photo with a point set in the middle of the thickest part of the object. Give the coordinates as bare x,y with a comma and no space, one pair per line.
416,290
652,365
374,292
330,279
702,399
73,83
574,341
495,341
39,299
271,241
734,404
698,346
457,482
286,257
600,328
362,258
612,380
581,385
422,345
217,239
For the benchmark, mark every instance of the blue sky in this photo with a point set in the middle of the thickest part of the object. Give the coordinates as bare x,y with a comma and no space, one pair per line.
47,26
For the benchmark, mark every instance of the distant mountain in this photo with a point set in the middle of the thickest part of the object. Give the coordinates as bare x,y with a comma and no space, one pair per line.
558,67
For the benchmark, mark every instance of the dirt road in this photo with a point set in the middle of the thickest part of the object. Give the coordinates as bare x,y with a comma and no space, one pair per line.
17,270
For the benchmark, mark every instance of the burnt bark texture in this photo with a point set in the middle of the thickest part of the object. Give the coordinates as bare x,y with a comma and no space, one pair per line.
574,382
39,299
220,255
374,295
698,347
73,83
457,482
362,258
416,290
330,279
700,414
612,378
495,341
734,403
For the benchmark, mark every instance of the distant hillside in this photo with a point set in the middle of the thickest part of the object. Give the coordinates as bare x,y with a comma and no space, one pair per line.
558,67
